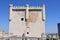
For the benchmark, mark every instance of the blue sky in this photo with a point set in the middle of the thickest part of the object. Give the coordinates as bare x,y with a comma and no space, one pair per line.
52,12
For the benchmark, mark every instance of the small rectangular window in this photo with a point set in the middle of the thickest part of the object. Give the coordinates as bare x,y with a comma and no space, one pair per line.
9,19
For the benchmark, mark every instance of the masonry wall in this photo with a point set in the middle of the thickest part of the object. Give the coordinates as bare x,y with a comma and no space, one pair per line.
17,26
35,22
37,25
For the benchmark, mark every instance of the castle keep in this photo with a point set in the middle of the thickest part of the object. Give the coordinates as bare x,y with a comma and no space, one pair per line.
27,20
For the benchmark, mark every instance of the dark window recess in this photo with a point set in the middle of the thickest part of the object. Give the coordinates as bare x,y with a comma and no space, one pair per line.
27,27
9,19
25,38
22,19
7,39
38,38
26,20
27,32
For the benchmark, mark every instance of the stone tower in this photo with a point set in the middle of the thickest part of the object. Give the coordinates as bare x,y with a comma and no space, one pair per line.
28,20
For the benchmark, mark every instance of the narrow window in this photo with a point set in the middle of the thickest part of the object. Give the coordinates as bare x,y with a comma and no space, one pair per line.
38,38
22,19
26,20
9,19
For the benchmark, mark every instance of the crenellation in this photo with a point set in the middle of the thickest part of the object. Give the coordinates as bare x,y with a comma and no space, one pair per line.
11,5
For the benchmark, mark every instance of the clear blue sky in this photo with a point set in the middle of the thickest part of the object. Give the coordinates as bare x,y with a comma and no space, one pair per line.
52,12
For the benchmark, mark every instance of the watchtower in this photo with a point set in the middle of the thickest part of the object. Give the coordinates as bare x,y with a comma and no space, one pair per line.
29,20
